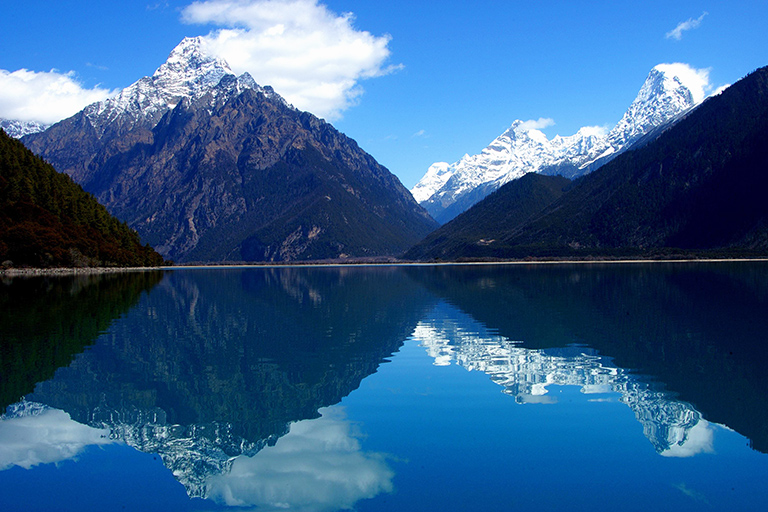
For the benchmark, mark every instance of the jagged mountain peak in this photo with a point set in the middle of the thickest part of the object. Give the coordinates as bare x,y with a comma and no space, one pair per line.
190,68
446,190
668,91
190,72
18,129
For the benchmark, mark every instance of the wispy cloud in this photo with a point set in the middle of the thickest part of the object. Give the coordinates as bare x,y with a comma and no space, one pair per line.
45,97
537,124
313,57
96,66
419,133
689,24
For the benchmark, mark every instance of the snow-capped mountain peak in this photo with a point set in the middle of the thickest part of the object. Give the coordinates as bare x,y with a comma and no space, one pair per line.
436,176
18,129
448,189
190,72
667,92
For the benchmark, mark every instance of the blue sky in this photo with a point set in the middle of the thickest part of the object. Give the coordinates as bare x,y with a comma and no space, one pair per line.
417,82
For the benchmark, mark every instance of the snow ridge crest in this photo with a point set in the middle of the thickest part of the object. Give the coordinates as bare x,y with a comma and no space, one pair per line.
669,91
190,73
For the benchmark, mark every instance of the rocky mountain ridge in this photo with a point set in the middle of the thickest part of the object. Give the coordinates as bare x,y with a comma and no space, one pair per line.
696,190
208,166
446,190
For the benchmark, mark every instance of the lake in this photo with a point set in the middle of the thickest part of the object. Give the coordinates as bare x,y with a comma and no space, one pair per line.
455,387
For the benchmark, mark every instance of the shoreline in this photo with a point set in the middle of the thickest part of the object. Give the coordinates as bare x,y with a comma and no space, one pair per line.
68,271
71,271
459,263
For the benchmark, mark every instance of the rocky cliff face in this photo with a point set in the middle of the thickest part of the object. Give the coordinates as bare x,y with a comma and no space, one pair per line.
208,166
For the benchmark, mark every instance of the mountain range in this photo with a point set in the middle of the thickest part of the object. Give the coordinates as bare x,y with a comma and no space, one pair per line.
209,166
698,187
447,190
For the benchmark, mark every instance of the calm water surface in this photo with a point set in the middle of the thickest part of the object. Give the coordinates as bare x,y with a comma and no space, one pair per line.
632,387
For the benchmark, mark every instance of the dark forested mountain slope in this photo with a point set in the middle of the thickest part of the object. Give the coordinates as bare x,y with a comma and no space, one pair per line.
48,220
699,187
471,233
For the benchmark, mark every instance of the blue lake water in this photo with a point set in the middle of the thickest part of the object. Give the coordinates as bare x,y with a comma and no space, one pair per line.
477,387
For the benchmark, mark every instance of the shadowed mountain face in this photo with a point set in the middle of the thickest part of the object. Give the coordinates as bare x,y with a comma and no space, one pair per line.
697,330
228,171
472,233
47,321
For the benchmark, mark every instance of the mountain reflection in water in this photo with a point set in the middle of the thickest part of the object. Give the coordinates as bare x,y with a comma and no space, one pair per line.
214,365
673,427
233,377
698,330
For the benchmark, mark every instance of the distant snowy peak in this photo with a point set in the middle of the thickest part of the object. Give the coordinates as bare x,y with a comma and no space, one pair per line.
664,96
436,176
190,73
669,91
18,129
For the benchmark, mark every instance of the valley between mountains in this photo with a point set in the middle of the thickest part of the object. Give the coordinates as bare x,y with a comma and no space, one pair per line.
207,166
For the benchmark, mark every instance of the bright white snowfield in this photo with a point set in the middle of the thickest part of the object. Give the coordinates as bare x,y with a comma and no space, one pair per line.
669,91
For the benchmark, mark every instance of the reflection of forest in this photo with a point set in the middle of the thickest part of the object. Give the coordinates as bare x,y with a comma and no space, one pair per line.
214,364
699,330
46,321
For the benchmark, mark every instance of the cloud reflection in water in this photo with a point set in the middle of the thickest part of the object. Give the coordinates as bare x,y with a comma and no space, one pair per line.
319,465
33,434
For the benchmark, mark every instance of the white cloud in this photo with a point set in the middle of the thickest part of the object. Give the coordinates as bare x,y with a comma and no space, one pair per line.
720,89
44,436
694,441
537,124
317,466
696,80
689,24
312,56
596,131
45,97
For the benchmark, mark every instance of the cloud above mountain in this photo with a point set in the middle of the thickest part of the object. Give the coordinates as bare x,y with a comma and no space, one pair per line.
696,80
41,435
45,97
537,124
313,57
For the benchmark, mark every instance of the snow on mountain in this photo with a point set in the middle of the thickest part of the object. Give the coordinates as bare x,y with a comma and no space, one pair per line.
18,129
189,73
436,176
668,91
452,337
